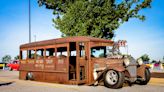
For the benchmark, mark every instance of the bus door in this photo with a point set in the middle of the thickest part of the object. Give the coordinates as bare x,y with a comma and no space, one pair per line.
82,61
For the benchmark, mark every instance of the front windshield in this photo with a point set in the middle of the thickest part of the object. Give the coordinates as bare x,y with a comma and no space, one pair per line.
101,51
98,52
105,51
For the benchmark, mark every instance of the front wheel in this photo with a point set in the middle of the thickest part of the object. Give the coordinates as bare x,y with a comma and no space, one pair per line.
147,77
113,79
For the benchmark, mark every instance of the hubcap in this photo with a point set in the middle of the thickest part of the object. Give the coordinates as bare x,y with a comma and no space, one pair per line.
112,77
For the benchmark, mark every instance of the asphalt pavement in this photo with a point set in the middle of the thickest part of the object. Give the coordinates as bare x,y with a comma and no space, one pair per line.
11,83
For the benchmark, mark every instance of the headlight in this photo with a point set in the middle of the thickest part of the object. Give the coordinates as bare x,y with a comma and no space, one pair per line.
126,61
140,62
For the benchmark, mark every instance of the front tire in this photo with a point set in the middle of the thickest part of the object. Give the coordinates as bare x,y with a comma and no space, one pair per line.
113,79
147,77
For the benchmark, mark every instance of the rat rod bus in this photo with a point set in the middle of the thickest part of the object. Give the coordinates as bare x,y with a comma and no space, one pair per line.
80,60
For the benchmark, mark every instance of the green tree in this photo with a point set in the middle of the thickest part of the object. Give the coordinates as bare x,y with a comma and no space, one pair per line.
154,61
6,59
97,18
16,57
145,57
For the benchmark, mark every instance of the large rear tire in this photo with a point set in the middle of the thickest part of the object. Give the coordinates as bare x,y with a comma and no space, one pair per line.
147,77
113,79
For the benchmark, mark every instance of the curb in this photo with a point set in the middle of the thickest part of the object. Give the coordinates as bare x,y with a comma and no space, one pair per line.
157,74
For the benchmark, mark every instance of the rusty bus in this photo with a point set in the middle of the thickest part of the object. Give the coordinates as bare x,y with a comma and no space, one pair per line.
80,60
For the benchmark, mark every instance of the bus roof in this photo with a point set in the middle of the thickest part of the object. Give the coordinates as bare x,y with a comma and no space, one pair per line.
65,40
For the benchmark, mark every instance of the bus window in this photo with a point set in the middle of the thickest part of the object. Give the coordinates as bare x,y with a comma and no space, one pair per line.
72,48
40,53
24,54
82,49
31,54
62,51
73,53
50,52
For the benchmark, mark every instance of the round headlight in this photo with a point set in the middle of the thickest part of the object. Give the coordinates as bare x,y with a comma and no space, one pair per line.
126,61
140,62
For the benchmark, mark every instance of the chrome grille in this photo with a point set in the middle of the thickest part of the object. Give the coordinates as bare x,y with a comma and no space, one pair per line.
132,69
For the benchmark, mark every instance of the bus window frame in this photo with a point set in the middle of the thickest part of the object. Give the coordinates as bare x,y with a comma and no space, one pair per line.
21,55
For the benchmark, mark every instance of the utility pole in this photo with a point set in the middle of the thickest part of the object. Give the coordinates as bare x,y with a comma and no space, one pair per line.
29,20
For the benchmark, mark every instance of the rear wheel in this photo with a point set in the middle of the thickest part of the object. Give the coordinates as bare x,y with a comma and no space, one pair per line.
29,76
147,77
113,79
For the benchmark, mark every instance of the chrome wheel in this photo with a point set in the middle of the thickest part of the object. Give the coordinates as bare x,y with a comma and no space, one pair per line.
112,77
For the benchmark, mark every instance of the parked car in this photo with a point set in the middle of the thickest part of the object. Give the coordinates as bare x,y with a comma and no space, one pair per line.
14,65
1,65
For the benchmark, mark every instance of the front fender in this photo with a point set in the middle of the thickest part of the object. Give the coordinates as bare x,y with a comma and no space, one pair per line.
141,70
118,67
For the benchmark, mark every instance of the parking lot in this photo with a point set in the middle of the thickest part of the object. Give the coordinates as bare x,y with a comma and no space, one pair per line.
10,83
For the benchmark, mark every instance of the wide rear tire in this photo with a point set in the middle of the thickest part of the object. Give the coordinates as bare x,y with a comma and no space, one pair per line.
113,79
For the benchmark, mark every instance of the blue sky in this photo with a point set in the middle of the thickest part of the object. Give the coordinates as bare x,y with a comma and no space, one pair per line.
142,37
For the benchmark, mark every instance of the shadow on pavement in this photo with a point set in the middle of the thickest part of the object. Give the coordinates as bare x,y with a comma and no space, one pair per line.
5,83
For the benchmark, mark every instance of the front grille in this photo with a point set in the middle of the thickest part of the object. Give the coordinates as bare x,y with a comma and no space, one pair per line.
132,69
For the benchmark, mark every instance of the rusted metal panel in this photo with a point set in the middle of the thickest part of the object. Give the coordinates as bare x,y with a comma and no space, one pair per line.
26,67
22,75
93,44
39,64
56,77
99,62
38,76
61,64
49,64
